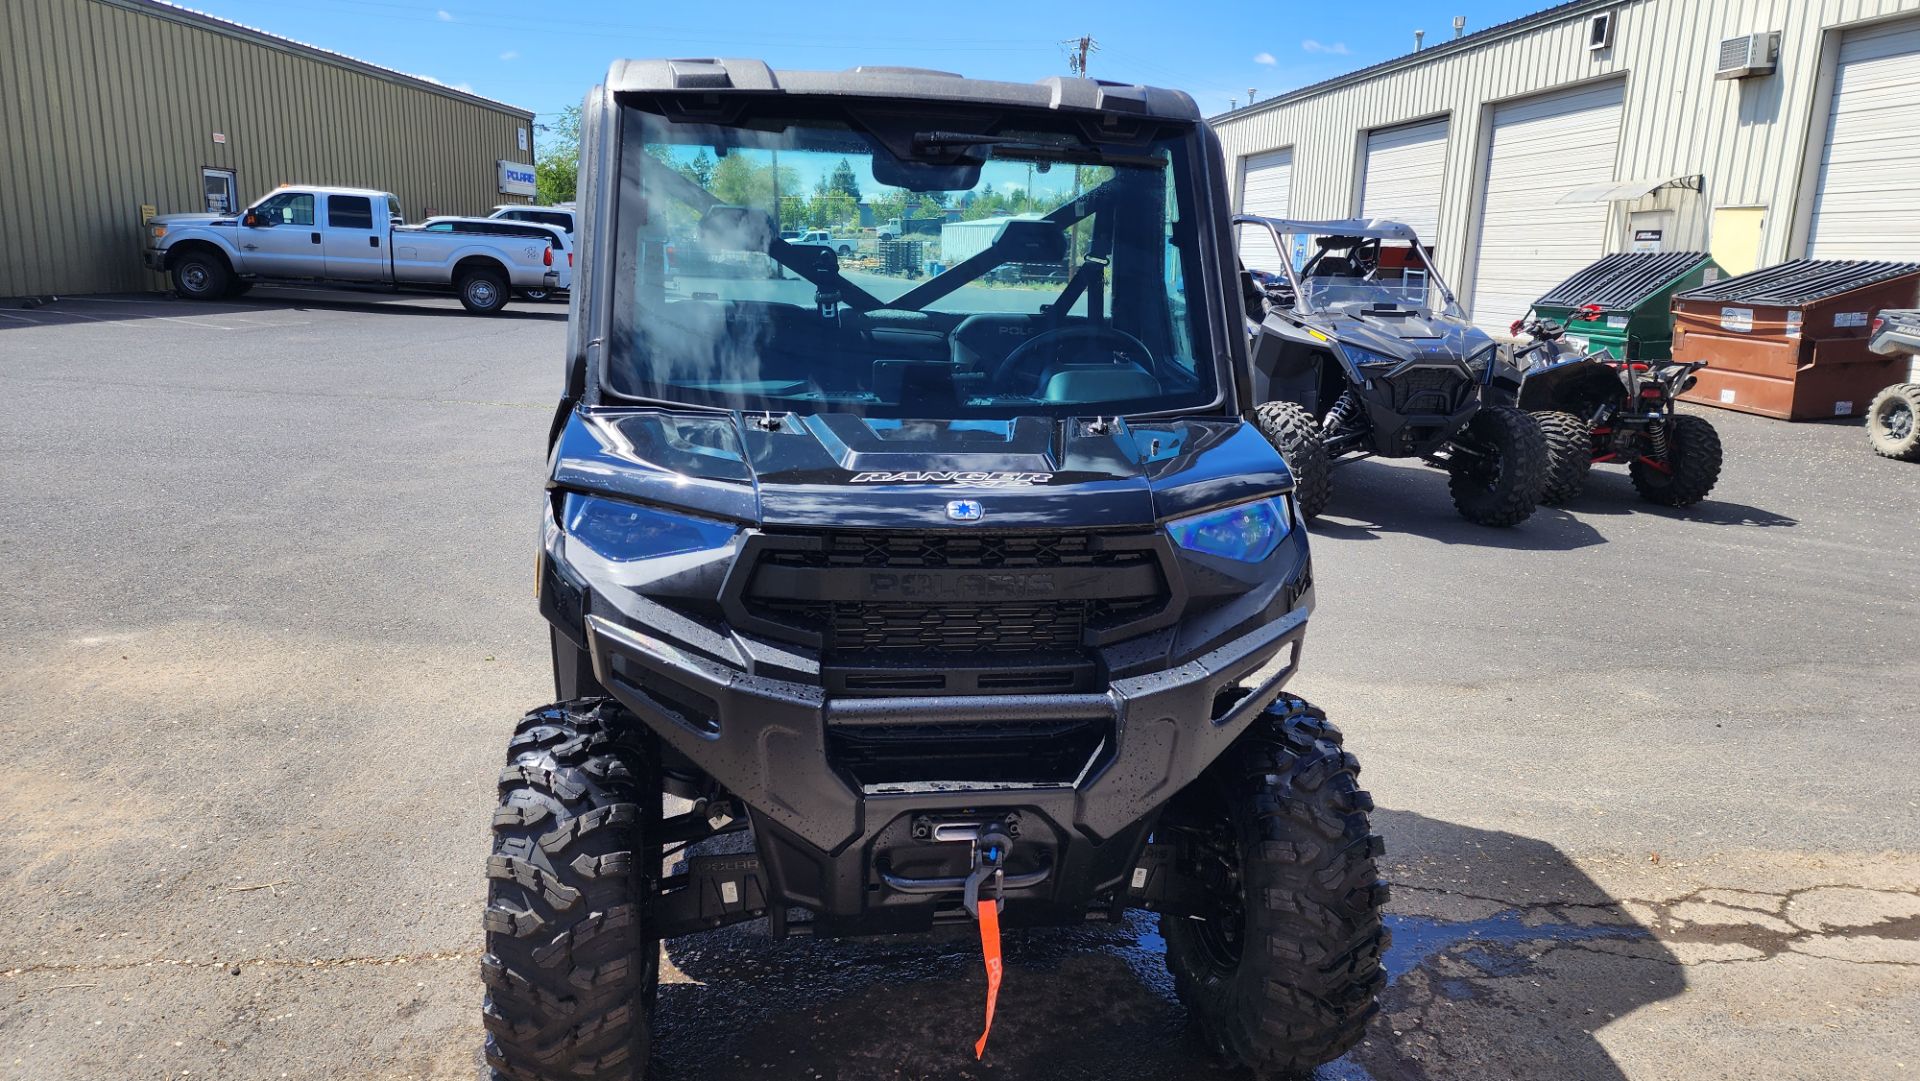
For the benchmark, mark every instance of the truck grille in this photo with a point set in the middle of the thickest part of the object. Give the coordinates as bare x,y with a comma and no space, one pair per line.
1429,390
887,598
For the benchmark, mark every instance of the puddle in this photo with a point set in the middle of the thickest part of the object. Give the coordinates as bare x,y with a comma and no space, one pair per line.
1418,939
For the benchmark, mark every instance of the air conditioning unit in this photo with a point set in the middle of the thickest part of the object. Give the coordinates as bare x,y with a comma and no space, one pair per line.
1748,55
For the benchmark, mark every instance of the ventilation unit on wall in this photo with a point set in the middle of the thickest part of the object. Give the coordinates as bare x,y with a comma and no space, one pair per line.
1748,55
1600,32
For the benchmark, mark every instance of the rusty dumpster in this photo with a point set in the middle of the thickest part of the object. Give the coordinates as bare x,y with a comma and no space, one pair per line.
1790,341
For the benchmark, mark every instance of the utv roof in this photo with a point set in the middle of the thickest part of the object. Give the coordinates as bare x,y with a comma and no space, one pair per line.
1377,228
719,76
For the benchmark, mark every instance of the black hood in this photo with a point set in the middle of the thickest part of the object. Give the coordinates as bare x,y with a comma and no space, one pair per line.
842,470
1401,332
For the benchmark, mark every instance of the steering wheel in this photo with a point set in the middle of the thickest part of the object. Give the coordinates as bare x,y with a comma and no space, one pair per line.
1121,348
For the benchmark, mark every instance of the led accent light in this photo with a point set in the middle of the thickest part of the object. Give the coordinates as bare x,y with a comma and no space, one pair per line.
1248,532
1367,358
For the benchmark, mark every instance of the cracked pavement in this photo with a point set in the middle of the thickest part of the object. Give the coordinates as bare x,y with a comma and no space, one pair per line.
1647,778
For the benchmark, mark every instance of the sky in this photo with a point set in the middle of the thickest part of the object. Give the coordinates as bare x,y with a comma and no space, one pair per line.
545,57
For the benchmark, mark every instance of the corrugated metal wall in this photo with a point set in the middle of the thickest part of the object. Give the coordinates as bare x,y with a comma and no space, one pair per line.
1754,140
106,105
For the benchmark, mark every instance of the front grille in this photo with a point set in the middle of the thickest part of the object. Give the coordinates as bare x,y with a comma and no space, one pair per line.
1429,390
997,752
993,599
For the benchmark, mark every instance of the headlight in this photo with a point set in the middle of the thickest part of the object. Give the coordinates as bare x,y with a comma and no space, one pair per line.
158,231
624,532
1249,532
1479,360
1367,358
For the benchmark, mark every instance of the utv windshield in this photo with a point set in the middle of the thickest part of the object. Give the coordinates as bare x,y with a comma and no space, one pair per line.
894,264
1333,272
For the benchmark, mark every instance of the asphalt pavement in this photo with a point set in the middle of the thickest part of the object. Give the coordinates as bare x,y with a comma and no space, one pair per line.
1647,777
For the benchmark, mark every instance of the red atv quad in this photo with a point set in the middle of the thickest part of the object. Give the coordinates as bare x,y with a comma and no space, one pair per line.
1595,409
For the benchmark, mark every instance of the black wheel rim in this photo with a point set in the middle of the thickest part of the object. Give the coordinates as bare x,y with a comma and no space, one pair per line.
1220,935
1899,421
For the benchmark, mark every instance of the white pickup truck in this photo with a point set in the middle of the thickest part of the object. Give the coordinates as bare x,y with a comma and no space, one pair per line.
351,236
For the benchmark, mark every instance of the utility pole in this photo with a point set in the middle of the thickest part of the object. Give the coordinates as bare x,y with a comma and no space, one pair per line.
1077,51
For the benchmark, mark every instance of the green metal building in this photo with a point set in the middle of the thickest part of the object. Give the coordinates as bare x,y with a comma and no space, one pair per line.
112,110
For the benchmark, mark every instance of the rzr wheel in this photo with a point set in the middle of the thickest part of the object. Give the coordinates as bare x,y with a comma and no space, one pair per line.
1498,467
1690,471
1294,432
1286,975
1569,455
570,967
1893,422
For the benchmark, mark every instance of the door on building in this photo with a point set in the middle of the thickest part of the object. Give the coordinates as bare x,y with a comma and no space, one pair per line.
1867,202
1734,241
1404,171
1266,189
352,241
222,190
283,242
1527,240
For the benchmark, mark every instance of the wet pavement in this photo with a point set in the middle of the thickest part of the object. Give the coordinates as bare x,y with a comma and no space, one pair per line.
1646,778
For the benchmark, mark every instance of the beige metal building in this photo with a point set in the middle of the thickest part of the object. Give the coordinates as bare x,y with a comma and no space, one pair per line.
1761,130
111,109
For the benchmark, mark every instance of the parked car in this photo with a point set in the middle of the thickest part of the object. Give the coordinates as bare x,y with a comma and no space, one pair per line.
561,240
560,215
843,246
1359,349
1595,409
341,236
1893,420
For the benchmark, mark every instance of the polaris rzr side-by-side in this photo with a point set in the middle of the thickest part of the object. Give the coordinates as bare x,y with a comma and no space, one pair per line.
1893,419
958,600
1359,349
1595,409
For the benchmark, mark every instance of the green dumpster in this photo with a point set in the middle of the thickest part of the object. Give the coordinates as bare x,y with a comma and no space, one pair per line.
1623,303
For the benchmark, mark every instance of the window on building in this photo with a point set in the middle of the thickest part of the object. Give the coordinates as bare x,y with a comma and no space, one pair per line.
349,212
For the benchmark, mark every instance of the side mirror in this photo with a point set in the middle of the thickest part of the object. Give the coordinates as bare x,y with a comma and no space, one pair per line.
251,221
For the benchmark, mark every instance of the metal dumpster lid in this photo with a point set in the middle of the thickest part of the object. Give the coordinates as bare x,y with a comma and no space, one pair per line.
1623,280
1801,281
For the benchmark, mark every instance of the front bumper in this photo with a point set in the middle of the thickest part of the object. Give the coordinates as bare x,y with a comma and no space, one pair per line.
827,844
153,259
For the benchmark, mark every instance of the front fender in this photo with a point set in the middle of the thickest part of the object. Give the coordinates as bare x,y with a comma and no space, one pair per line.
176,238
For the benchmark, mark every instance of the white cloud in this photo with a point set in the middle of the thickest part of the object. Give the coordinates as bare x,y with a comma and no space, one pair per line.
443,15
1265,58
1338,48
510,54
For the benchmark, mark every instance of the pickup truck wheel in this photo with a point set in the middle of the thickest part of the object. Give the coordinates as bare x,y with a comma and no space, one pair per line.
200,276
483,292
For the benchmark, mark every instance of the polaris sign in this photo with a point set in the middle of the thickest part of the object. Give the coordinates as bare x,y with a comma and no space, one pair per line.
516,178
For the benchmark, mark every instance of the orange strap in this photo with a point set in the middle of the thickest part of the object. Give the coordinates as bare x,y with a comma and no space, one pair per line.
990,949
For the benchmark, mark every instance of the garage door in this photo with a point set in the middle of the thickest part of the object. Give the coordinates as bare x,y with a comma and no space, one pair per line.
1266,189
1867,204
1405,167
1542,149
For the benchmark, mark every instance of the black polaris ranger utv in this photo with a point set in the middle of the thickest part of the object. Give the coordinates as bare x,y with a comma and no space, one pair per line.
1360,350
971,601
